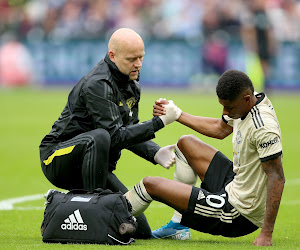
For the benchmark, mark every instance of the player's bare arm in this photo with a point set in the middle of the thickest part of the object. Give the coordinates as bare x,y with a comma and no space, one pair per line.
211,127
273,169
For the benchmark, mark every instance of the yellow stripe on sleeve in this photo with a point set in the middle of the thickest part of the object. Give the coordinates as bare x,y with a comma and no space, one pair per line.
59,152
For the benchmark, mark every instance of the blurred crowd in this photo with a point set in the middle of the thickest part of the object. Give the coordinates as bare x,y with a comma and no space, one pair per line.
259,27
162,19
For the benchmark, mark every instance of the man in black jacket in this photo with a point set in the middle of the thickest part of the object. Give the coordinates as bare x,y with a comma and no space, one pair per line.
99,120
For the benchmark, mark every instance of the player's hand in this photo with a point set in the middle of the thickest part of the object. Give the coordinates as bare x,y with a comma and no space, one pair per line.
172,113
158,107
263,239
165,156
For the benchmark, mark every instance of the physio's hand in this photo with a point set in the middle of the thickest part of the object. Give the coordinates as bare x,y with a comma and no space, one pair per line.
170,113
165,156
263,240
159,108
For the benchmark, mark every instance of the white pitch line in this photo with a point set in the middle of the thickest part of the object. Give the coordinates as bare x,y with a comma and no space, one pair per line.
29,208
9,203
293,182
292,203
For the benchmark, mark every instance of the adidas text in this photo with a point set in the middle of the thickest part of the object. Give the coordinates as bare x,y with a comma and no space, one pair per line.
76,226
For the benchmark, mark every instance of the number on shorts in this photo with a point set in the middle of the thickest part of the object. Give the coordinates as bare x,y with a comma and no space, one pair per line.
211,200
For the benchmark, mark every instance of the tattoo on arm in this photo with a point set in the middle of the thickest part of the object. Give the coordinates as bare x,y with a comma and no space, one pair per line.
274,171
276,205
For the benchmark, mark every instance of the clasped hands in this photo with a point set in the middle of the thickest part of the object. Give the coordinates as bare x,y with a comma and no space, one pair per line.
168,112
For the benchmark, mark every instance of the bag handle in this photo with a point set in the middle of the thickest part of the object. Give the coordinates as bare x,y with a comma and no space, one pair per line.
101,192
71,192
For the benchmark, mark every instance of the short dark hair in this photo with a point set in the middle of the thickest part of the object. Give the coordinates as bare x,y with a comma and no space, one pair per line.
232,83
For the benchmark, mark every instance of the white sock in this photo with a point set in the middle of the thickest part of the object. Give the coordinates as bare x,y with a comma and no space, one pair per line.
176,217
138,198
183,173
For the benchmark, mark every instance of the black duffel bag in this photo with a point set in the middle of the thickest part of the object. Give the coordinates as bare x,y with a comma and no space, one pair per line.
99,217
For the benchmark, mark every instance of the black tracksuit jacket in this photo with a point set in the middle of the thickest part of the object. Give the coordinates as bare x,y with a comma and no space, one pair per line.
104,98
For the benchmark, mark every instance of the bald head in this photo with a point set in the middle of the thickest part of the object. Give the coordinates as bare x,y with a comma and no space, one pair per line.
126,49
123,38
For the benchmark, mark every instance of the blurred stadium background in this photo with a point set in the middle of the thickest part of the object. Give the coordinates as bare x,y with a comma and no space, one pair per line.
46,46
188,43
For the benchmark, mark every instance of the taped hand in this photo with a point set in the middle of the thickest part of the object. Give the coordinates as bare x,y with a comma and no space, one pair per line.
172,113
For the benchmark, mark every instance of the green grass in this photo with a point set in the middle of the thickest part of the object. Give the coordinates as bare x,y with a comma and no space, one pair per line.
27,115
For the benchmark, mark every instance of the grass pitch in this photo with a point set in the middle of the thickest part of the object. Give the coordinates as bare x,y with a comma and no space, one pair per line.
27,115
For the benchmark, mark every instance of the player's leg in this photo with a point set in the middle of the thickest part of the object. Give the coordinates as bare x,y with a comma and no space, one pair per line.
192,160
79,163
202,210
213,167
184,174
212,213
143,231
172,193
197,153
209,210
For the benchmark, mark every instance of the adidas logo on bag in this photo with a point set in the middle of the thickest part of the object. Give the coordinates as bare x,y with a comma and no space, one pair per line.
74,222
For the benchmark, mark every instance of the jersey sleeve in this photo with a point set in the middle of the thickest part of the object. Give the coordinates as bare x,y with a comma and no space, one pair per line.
268,142
227,120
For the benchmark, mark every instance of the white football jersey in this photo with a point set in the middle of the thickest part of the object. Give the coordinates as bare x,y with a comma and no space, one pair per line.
256,138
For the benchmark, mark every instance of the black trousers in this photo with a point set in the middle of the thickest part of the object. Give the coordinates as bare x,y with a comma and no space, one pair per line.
82,163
